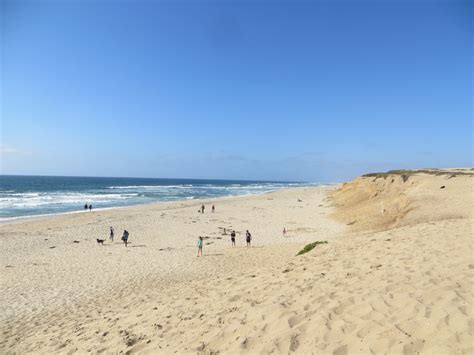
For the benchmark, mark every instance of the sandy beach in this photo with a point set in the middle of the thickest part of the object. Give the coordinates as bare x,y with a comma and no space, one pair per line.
395,276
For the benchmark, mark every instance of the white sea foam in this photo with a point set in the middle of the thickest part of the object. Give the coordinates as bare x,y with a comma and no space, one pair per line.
30,200
31,203
132,187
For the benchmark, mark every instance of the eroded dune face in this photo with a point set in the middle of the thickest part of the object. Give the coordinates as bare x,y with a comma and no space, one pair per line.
390,200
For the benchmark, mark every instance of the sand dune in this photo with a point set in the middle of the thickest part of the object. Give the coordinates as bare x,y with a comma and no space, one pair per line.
397,280
382,201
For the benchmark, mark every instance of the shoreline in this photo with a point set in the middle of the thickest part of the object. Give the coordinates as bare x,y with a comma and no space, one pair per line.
19,219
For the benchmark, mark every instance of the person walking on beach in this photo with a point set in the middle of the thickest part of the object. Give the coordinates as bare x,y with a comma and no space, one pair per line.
111,234
125,237
90,207
248,237
202,208
213,208
86,207
200,243
284,232
232,238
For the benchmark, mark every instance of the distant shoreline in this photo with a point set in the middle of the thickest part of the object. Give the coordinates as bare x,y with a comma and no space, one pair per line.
19,219
31,197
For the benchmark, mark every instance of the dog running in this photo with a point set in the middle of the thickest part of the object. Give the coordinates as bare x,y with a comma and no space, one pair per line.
100,241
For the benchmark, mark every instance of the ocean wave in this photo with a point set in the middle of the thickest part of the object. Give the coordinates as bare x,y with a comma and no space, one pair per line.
31,200
131,187
207,186
15,203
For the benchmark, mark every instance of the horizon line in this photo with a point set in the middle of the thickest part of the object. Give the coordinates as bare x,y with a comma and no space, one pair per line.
163,178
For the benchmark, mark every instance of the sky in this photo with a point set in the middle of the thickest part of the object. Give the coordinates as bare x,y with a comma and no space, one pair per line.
269,90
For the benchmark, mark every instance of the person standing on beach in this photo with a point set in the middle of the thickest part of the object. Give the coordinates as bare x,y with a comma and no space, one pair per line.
213,208
202,208
86,207
200,243
232,238
90,207
248,237
125,237
284,232
111,234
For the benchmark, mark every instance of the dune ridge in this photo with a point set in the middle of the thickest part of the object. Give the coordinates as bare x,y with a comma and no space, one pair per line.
388,200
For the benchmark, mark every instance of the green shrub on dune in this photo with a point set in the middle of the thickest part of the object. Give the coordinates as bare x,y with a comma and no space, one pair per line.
311,246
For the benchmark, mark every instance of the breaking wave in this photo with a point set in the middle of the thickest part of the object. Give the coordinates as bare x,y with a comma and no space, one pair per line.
30,195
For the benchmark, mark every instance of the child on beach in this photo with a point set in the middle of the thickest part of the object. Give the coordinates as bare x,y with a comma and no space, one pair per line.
125,237
232,238
248,237
111,234
200,242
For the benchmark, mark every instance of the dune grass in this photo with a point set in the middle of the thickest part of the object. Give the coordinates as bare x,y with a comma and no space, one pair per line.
405,174
311,246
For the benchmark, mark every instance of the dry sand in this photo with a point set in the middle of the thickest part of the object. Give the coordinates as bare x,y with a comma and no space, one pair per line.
395,278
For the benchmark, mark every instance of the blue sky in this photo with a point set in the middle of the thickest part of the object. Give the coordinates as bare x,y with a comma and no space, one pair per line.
280,90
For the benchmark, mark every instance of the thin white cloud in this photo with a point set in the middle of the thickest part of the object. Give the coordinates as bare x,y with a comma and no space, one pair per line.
8,150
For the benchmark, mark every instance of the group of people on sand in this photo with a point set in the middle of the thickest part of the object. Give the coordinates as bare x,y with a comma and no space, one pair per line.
248,239
201,210
87,207
124,238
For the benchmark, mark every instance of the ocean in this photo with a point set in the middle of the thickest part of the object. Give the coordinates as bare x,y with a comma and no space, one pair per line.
23,196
